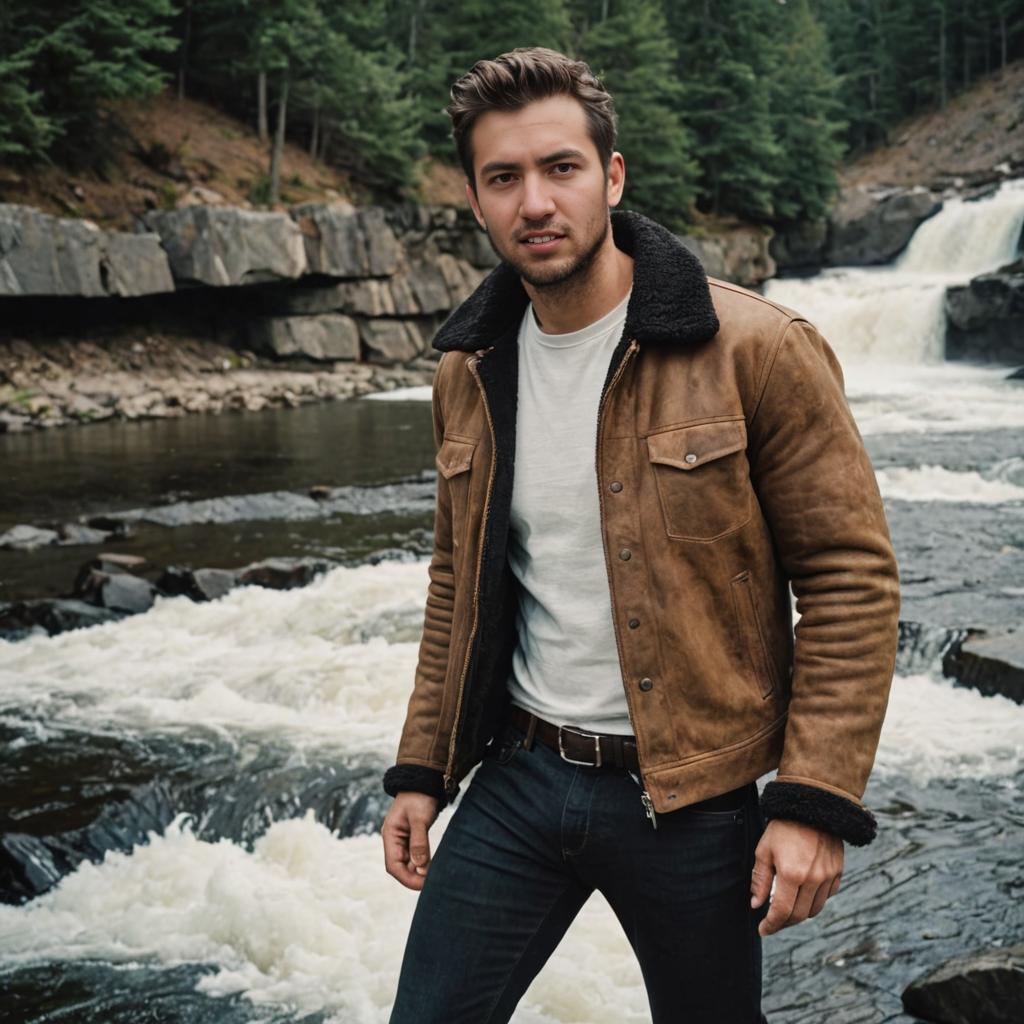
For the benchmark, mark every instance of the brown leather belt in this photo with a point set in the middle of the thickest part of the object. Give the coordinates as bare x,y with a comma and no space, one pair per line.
578,746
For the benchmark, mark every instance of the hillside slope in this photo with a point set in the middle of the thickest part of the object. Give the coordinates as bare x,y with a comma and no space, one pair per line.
170,147
979,130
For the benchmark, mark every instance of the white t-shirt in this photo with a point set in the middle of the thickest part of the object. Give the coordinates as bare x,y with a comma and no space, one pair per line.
565,667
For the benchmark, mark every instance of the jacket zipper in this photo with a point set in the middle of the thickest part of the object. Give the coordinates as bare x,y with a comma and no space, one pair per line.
449,782
645,797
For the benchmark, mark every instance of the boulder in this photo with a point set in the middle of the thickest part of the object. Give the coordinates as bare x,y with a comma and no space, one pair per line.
391,341
869,226
229,246
283,573
990,663
739,254
986,987
19,619
329,337
799,246
985,317
45,255
343,242
196,584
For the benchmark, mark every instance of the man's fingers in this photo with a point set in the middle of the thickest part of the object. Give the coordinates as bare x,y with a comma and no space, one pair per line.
760,880
823,893
419,845
396,855
781,907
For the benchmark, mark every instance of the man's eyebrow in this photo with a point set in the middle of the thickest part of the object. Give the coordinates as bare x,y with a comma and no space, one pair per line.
496,166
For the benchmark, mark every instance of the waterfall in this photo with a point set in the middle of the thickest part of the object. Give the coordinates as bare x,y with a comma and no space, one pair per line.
895,313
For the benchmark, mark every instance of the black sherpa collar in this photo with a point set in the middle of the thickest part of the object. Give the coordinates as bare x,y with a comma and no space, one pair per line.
670,304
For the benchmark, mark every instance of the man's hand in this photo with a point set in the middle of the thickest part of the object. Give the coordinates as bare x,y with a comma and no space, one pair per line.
807,863
406,847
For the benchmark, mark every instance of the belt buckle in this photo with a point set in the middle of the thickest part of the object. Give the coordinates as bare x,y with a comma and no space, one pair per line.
597,747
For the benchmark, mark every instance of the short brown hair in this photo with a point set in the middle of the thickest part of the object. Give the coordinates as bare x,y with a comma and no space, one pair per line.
519,77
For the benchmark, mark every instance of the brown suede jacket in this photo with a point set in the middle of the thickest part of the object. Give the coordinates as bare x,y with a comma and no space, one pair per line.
729,468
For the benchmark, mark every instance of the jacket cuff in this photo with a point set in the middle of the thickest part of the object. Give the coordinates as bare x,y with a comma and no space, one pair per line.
419,779
824,810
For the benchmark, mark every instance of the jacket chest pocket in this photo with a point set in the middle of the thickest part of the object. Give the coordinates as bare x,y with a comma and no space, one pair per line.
702,478
453,460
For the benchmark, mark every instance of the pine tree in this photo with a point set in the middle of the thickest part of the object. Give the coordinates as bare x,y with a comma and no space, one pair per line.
807,118
629,47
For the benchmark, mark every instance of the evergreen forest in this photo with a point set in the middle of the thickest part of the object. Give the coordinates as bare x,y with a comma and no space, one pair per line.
729,107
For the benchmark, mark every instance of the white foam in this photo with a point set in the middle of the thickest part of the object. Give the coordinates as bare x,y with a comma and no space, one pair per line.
305,921
943,398
935,483
420,393
935,730
332,662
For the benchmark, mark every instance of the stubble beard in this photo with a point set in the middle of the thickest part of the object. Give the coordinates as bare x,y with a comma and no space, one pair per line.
558,282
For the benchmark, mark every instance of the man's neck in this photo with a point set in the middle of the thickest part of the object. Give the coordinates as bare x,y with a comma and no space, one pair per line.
584,298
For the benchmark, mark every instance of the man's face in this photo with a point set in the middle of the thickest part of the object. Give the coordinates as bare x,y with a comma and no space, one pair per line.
541,192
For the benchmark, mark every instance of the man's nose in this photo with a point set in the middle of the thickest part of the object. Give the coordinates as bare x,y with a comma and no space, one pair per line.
536,201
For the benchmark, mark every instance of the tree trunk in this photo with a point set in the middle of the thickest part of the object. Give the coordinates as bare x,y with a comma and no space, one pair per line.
261,107
1002,40
278,147
314,137
967,44
325,138
942,56
183,52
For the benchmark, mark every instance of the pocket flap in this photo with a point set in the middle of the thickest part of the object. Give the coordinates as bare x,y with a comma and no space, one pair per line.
454,457
690,447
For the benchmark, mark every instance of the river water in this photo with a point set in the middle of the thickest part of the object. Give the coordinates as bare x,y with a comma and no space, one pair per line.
190,797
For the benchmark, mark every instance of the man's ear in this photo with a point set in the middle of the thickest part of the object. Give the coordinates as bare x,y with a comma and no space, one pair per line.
616,178
474,205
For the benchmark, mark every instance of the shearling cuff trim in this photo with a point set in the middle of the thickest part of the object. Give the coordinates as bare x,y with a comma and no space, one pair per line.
820,808
417,778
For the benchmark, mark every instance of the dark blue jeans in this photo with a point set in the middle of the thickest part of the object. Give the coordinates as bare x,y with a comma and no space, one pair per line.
530,839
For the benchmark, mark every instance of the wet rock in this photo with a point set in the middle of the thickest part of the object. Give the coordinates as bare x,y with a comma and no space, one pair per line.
343,242
119,591
283,573
799,246
986,316
26,538
19,619
196,584
45,255
739,254
986,987
991,663
1017,374
228,246
330,336
872,225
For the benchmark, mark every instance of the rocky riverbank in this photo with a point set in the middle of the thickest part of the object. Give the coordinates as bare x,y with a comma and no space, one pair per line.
134,376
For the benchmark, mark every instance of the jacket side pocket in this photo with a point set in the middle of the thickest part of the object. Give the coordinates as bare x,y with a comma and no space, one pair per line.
749,624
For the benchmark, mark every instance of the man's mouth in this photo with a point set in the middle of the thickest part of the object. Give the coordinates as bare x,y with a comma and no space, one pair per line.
542,242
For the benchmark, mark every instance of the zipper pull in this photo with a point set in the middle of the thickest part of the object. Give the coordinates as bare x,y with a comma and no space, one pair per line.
645,799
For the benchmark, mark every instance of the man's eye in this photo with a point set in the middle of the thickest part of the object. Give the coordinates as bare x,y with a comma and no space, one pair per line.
564,168
502,179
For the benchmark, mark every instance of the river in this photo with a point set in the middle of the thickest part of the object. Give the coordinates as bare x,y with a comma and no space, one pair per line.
190,796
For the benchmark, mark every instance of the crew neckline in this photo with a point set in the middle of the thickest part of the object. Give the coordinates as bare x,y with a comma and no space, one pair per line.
591,332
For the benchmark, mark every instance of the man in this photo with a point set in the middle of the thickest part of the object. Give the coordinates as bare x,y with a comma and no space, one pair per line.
635,462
